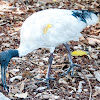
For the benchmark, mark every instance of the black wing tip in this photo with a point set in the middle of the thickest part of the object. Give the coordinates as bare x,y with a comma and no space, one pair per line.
84,14
95,12
86,11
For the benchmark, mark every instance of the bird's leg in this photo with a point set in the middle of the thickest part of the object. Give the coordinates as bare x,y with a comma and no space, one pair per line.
70,60
49,66
3,77
48,71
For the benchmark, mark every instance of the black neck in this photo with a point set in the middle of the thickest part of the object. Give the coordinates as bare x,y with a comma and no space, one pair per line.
14,53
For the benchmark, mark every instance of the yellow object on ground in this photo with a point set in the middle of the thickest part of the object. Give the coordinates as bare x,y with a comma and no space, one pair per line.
54,0
78,53
45,30
7,75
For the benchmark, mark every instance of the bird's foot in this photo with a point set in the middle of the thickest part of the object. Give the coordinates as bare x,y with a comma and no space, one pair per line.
46,80
5,87
71,67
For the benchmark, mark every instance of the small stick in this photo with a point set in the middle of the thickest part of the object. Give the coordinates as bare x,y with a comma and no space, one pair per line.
89,86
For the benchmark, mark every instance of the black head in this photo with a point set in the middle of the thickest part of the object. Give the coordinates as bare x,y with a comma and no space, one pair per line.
5,57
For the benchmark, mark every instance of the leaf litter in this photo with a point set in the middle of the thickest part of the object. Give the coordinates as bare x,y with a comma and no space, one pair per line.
87,77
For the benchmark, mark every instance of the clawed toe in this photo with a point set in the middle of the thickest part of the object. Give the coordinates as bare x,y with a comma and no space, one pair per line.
76,65
41,79
46,80
71,67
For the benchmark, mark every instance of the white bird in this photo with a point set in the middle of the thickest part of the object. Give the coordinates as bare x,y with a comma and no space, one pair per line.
48,29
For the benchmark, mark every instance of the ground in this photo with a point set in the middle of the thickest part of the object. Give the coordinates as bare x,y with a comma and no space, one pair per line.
22,71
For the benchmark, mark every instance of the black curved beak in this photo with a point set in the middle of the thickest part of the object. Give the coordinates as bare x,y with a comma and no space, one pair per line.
3,76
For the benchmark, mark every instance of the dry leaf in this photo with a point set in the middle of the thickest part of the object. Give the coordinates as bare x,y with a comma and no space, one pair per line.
97,91
13,71
22,86
41,88
97,75
21,95
16,77
54,0
93,55
81,75
72,88
26,73
46,1
81,6
62,80
93,41
31,10
78,53
16,28
7,75
89,75
80,86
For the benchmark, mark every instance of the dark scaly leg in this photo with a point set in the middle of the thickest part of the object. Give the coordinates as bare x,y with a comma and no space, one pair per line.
46,80
3,77
70,60
49,66
49,70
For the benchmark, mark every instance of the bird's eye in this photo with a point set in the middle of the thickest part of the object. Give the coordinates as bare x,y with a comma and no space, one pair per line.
4,59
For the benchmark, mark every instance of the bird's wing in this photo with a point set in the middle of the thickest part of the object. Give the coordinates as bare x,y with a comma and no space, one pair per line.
64,27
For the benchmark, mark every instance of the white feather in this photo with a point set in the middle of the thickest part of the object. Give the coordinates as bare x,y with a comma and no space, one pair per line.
65,27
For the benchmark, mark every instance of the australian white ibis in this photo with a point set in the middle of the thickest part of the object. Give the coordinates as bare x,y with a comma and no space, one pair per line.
48,29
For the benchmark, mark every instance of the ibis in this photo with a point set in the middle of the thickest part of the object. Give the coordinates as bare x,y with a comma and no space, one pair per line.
48,29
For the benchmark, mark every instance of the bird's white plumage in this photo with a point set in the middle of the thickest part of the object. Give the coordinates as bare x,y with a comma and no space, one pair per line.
65,27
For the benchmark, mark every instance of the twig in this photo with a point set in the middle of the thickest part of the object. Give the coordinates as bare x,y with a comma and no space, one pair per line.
96,37
23,4
2,24
57,65
89,86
